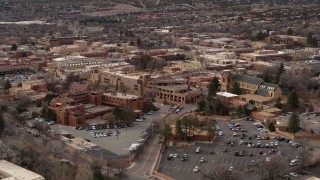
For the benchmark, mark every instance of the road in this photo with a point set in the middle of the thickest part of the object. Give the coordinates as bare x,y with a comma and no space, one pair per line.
141,168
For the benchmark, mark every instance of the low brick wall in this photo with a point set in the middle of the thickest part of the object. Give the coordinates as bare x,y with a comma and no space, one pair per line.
161,176
308,137
288,135
155,166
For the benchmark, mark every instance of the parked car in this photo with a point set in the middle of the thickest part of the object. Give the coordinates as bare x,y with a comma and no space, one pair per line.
294,174
196,169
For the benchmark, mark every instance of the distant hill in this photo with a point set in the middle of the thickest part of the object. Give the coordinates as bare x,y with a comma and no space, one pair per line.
208,3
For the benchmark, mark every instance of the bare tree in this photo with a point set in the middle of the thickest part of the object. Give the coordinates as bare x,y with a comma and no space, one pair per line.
304,159
220,173
83,171
56,147
123,89
271,169
120,167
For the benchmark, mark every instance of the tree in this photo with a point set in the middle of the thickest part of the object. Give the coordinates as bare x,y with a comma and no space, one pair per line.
278,74
213,87
117,113
278,103
148,106
179,132
123,89
235,89
289,31
220,108
97,175
270,170
271,127
7,85
294,123
239,110
311,41
14,47
165,134
293,99
304,157
50,115
210,127
2,124
220,173
266,77
139,42
202,105
70,79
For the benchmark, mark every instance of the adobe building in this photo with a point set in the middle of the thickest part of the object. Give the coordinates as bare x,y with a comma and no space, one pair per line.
252,88
177,94
265,55
75,108
134,83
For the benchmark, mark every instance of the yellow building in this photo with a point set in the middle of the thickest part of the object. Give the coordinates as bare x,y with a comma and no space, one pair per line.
252,88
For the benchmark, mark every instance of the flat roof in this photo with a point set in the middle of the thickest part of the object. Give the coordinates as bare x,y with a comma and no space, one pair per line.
14,172
121,95
226,94
256,98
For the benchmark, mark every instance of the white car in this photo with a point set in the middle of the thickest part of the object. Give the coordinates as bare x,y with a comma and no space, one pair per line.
294,174
201,160
149,113
276,143
104,134
230,168
249,145
196,169
51,123
234,134
175,155
92,133
220,133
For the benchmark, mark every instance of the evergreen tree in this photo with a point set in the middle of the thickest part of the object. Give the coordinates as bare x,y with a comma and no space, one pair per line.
293,99
278,74
50,115
213,87
278,103
202,105
260,36
235,89
139,42
239,110
289,31
7,85
266,77
165,134
271,127
294,123
14,47
2,125
97,175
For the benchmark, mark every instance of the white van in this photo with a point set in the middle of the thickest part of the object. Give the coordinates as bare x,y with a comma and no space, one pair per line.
198,150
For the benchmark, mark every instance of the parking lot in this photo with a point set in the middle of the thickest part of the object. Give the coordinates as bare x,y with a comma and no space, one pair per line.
120,144
184,169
